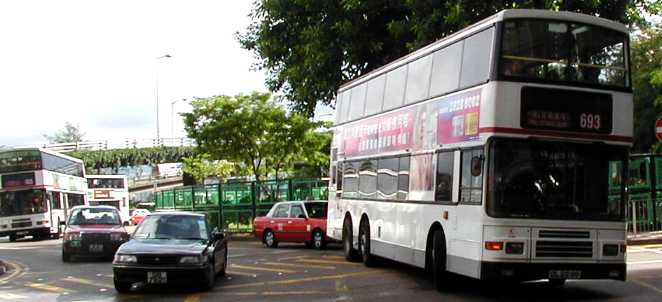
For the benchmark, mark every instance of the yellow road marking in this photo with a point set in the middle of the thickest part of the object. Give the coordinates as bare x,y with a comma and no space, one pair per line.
240,273
299,265
50,288
333,257
328,262
192,298
18,270
644,284
301,280
273,293
10,296
86,282
264,269
291,258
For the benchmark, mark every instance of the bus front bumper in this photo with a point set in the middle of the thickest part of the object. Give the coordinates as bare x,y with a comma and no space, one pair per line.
537,271
42,231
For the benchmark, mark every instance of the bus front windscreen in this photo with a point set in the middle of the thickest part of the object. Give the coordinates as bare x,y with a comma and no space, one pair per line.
556,180
555,51
22,203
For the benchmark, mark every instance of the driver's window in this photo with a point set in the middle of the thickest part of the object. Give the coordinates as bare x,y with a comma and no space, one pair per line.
471,181
297,212
281,211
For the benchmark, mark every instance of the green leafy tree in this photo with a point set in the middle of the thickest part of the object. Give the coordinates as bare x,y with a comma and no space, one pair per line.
647,85
253,131
201,167
116,158
309,48
70,134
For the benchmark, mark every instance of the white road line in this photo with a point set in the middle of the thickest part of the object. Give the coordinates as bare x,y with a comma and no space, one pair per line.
11,297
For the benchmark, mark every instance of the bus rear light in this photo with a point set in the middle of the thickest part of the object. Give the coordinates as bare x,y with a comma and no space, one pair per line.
494,245
515,248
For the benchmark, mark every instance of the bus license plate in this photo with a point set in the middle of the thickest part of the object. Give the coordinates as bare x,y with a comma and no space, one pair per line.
96,248
564,274
157,277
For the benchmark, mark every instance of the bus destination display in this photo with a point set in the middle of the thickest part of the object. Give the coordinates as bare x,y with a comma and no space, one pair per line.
566,110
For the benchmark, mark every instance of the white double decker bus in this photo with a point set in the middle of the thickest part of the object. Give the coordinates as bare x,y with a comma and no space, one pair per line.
36,188
109,190
490,153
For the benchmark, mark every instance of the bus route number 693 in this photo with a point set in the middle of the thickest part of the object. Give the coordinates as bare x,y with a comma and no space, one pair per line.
589,121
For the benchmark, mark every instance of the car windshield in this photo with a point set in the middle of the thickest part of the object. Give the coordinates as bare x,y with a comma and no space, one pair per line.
172,227
316,209
556,180
89,216
563,51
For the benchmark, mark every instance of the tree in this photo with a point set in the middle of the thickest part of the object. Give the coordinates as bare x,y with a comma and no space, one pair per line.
252,131
116,158
70,134
309,48
200,167
647,85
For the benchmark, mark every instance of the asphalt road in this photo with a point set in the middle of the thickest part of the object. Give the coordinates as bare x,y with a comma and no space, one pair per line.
294,273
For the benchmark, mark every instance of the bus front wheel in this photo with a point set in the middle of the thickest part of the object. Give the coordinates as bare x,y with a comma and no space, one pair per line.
438,254
347,241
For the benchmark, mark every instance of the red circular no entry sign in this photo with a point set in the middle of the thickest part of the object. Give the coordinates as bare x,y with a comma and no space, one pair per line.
658,129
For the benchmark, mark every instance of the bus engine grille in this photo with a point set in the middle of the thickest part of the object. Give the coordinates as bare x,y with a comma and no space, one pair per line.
573,249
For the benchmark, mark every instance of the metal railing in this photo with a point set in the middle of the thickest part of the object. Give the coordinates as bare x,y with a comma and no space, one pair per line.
232,206
115,144
644,215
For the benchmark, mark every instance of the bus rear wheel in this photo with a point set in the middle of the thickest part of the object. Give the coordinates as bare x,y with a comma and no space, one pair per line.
364,244
347,241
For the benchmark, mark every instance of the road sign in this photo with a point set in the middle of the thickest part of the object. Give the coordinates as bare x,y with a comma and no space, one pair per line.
658,129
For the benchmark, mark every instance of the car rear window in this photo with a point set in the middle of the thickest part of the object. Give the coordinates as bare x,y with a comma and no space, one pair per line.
316,209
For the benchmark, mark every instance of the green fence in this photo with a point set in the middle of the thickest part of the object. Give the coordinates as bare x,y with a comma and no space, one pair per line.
232,206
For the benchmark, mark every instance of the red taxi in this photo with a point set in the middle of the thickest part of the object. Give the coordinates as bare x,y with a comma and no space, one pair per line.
293,221
138,215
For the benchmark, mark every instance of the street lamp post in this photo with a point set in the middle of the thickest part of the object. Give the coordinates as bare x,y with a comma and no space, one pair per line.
172,117
158,132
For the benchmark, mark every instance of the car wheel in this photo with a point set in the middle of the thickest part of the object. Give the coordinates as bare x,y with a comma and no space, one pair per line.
318,240
270,239
210,277
438,254
12,238
66,257
122,287
364,244
350,253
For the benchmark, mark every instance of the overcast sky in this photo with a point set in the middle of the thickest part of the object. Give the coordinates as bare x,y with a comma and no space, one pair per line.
93,63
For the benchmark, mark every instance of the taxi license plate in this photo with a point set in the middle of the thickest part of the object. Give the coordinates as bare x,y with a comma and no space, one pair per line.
96,248
21,233
564,274
157,277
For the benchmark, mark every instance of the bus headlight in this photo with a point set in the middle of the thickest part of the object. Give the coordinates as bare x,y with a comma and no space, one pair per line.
515,248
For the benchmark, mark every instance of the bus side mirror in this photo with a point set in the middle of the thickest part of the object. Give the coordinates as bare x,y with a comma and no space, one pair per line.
63,223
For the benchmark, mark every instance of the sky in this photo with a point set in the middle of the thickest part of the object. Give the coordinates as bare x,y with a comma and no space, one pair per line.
94,63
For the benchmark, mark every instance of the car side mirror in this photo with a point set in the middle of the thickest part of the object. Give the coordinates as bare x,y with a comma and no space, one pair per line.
217,236
302,216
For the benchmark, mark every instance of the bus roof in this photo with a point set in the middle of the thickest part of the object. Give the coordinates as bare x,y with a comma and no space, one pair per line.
54,153
480,25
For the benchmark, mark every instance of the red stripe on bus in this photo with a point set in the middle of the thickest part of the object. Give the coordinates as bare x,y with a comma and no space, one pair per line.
619,138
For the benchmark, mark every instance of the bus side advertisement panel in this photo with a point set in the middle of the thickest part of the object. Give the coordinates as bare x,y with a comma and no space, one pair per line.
458,117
